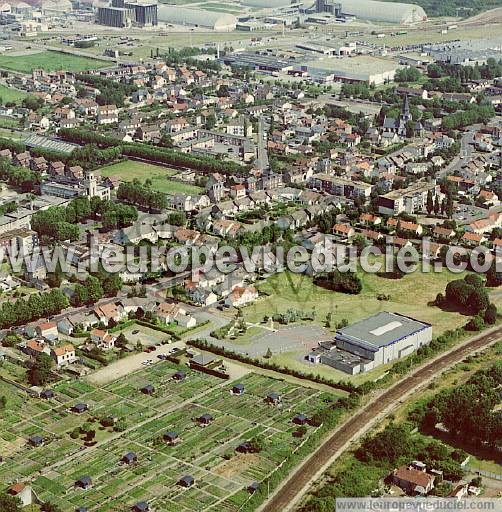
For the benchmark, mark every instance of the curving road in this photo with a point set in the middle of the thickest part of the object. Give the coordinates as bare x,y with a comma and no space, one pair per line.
292,489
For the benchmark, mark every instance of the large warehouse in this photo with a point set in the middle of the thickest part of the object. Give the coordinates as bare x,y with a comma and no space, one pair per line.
274,4
376,340
391,12
218,21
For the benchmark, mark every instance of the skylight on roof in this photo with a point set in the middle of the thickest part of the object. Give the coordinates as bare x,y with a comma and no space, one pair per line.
386,328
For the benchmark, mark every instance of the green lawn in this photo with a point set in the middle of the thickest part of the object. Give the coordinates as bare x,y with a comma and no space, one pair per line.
9,94
49,61
9,123
129,170
408,296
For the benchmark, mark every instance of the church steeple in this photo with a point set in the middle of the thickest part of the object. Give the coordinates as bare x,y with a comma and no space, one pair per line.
405,110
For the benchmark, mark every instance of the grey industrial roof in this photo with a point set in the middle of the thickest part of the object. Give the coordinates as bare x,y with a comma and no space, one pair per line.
181,16
39,141
381,329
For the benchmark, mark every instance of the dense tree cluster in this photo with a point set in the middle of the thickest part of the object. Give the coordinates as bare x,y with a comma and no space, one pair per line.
491,69
142,195
61,222
407,75
467,294
40,372
345,282
18,177
471,115
467,410
111,92
38,305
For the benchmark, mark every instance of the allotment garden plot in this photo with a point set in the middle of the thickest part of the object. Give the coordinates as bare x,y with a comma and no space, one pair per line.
137,423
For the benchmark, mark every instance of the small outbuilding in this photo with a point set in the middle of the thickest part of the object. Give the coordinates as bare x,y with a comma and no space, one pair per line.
84,482
129,458
141,506
238,389
170,437
179,375
300,419
186,481
36,441
80,408
47,394
273,398
205,419
148,390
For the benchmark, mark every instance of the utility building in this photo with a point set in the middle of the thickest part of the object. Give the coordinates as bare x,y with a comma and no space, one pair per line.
383,337
376,340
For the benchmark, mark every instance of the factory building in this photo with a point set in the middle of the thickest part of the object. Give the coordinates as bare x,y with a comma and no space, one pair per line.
176,15
391,12
329,6
376,340
125,14
118,17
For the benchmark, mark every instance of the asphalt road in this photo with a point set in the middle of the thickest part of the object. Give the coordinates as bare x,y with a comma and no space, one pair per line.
292,489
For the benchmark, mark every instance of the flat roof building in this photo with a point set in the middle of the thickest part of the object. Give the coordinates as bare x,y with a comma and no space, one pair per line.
383,337
221,22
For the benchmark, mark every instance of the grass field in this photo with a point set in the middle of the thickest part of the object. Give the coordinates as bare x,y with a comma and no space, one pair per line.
9,94
129,170
208,454
408,296
49,61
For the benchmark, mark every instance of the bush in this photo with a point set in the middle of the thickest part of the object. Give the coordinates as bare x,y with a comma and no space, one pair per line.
476,323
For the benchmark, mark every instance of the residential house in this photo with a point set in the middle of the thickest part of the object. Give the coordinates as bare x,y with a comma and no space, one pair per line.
345,231
48,331
413,481
64,355
240,296
102,339
110,312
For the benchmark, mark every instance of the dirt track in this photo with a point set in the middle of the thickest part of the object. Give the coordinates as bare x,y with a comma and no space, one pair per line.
348,431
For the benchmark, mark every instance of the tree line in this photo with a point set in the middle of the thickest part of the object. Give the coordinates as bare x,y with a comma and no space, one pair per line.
38,305
153,154
142,195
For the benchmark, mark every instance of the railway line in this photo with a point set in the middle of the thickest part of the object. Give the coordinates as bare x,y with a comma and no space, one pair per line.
295,486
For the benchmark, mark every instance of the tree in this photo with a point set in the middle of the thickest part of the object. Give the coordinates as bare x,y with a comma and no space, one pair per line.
430,202
39,373
94,289
476,323
493,278
9,503
490,316
112,284
449,206
478,300
437,206
3,402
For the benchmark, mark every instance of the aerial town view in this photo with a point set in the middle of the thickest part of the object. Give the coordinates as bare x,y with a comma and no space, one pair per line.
250,255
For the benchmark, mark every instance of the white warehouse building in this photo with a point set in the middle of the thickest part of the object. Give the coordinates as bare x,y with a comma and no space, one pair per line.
369,343
383,337
391,12
221,22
